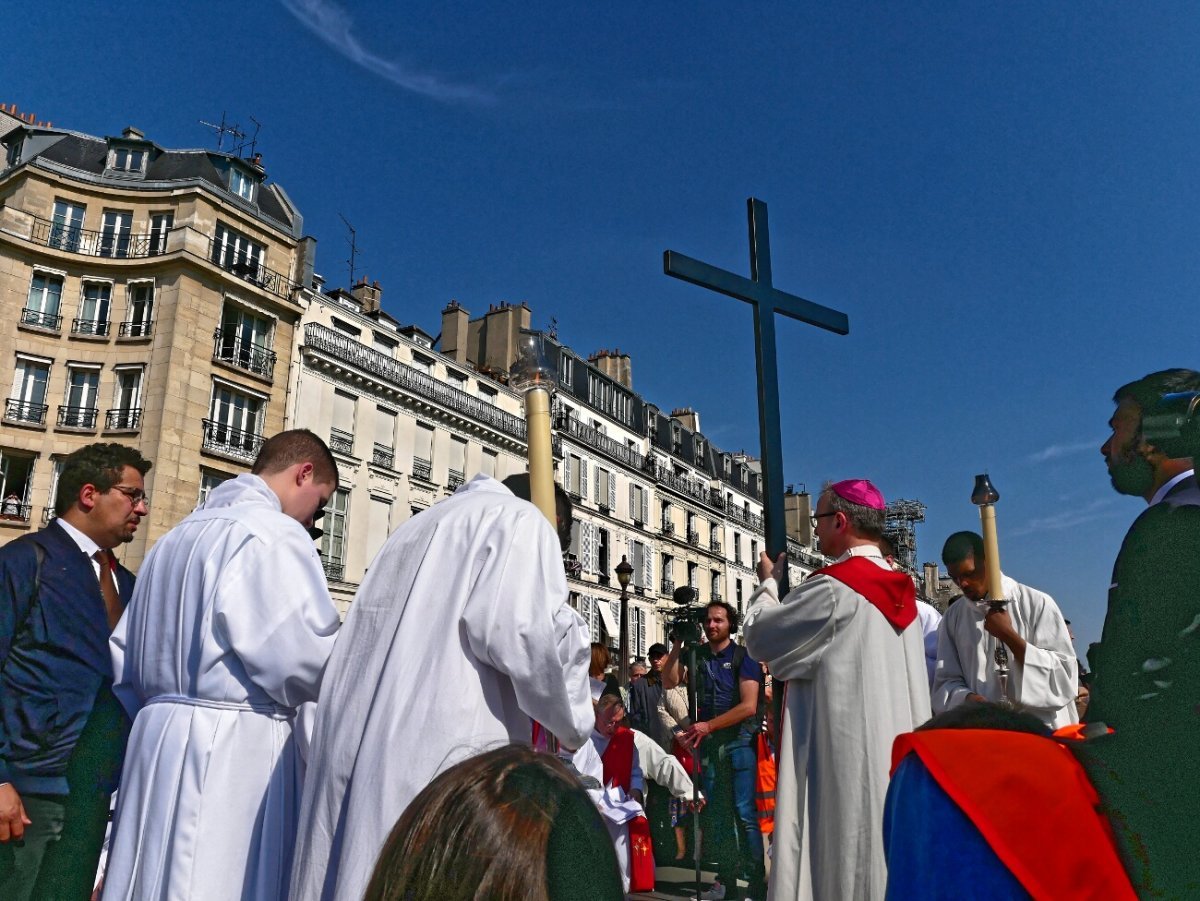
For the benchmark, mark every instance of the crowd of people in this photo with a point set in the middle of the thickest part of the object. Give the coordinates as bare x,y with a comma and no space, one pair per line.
460,736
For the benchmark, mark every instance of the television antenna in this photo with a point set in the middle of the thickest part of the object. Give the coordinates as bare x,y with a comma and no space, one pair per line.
353,242
225,128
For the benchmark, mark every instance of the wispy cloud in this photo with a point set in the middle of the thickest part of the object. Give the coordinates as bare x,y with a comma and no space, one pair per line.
1054,451
334,25
1068,519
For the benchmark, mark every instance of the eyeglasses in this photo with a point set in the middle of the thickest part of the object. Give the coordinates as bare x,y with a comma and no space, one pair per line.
136,495
817,516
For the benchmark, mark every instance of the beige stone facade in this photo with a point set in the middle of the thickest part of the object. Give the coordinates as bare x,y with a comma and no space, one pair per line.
148,297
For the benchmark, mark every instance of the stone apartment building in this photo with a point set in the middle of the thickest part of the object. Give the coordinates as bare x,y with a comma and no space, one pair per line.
149,296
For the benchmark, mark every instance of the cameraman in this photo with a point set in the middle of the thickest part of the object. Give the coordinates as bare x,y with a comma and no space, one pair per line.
727,692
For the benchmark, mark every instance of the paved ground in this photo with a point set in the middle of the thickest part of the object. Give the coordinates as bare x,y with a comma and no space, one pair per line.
677,882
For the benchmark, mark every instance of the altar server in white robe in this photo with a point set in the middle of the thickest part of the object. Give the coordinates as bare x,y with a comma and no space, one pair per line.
460,634
1043,669
229,629
848,644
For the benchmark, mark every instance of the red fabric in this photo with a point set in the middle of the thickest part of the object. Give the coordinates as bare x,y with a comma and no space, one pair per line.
641,856
689,761
764,786
891,593
1073,732
1032,802
618,759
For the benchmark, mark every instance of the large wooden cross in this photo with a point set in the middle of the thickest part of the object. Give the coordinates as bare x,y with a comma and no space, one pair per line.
767,300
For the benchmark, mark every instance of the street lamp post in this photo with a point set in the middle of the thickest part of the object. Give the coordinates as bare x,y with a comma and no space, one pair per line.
624,571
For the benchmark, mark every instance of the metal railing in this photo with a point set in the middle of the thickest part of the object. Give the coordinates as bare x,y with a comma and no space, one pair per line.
668,528
135,329
694,538
123,419
454,478
341,442
383,456
96,327
77,417
715,546
249,268
667,586
422,469
230,347
348,350
572,565
716,596
594,438
230,442
38,319
22,411
118,244
750,520
15,511
334,571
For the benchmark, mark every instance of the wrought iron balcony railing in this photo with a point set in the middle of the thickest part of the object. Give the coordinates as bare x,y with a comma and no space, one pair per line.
108,243
230,442
341,442
14,510
667,587
77,417
47,515
345,348
230,347
572,565
668,528
128,419
454,478
333,570
592,437
716,596
36,318
715,546
96,327
249,268
22,411
694,538
422,469
383,456
140,329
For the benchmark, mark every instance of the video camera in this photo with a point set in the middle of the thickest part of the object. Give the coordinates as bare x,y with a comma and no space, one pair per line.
1173,426
686,622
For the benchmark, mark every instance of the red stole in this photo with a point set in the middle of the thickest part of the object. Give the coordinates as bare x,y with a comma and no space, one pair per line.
618,770
889,592
1032,801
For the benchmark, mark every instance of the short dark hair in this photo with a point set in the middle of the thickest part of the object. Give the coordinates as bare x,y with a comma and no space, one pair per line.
960,546
866,521
296,446
986,715
658,649
730,613
518,484
1146,391
97,464
510,824
887,547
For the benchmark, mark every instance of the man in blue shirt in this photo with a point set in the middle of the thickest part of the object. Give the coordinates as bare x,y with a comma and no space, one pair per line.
727,695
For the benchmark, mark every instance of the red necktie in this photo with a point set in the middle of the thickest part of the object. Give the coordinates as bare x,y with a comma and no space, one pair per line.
108,588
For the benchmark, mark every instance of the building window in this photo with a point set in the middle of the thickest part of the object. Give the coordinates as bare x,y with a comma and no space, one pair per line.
341,431
639,505
422,364
79,408
14,153
236,253
27,401
44,301
737,548
637,631
491,461
738,588
56,468
487,395
127,159
139,320
668,574
456,380
16,482
691,567
606,489
423,452
715,581
384,452
241,184
566,369
244,340
753,552
66,232
575,476
457,463
385,346
126,413
346,327
333,542
234,424
602,555
94,301
210,479
160,227
114,233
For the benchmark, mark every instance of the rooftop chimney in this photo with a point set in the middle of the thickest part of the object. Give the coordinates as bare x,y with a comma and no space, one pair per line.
688,418
614,364
367,295
455,321
133,134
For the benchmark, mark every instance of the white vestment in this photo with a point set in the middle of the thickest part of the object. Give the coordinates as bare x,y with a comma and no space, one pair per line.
459,635
930,619
659,766
852,685
1047,683
228,630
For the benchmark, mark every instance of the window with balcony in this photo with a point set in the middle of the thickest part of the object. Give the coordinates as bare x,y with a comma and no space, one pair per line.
16,483
234,424
487,395
668,574
641,564
737,548
115,231
384,451
691,570
27,400
160,228
241,184
422,467
333,542
714,537
456,379
379,524
244,340
126,412
66,228
753,552
603,552
139,318
237,253
341,432
491,464
56,468
606,490
44,301
94,307
383,344
80,406
210,479
456,463
422,363
714,581
639,504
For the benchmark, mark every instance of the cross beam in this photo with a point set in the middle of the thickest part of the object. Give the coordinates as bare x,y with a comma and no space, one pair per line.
767,300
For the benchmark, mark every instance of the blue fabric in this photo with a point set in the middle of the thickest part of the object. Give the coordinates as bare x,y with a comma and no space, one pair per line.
729,817
56,669
933,850
718,689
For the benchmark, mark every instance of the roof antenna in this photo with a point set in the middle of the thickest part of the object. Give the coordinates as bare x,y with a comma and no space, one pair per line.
353,242
252,142
223,129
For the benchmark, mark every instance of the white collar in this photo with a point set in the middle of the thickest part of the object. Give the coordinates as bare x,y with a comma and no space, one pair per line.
1166,488
862,550
86,544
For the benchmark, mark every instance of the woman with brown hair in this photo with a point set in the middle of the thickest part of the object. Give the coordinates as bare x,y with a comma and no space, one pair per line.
508,825
602,684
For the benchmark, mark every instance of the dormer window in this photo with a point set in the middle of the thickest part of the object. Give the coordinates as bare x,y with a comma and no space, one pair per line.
241,184
14,152
128,159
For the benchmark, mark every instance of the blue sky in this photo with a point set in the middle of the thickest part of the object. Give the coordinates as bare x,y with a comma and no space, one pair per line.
1002,197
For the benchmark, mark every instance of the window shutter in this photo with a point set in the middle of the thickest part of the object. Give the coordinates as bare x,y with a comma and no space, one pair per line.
645,505
615,607
566,471
632,509
612,492
583,474
596,484
587,546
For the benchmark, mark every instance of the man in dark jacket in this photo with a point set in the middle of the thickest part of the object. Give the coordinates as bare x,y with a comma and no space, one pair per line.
62,731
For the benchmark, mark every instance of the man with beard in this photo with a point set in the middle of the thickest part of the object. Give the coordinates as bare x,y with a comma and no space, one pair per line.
1146,668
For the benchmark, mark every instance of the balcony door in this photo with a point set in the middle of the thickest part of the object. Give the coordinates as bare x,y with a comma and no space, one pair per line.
115,233
67,230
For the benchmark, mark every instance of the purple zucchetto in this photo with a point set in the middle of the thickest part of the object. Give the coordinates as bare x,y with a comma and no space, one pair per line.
859,491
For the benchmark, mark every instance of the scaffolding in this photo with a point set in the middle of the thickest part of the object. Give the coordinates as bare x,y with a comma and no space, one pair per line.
899,527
